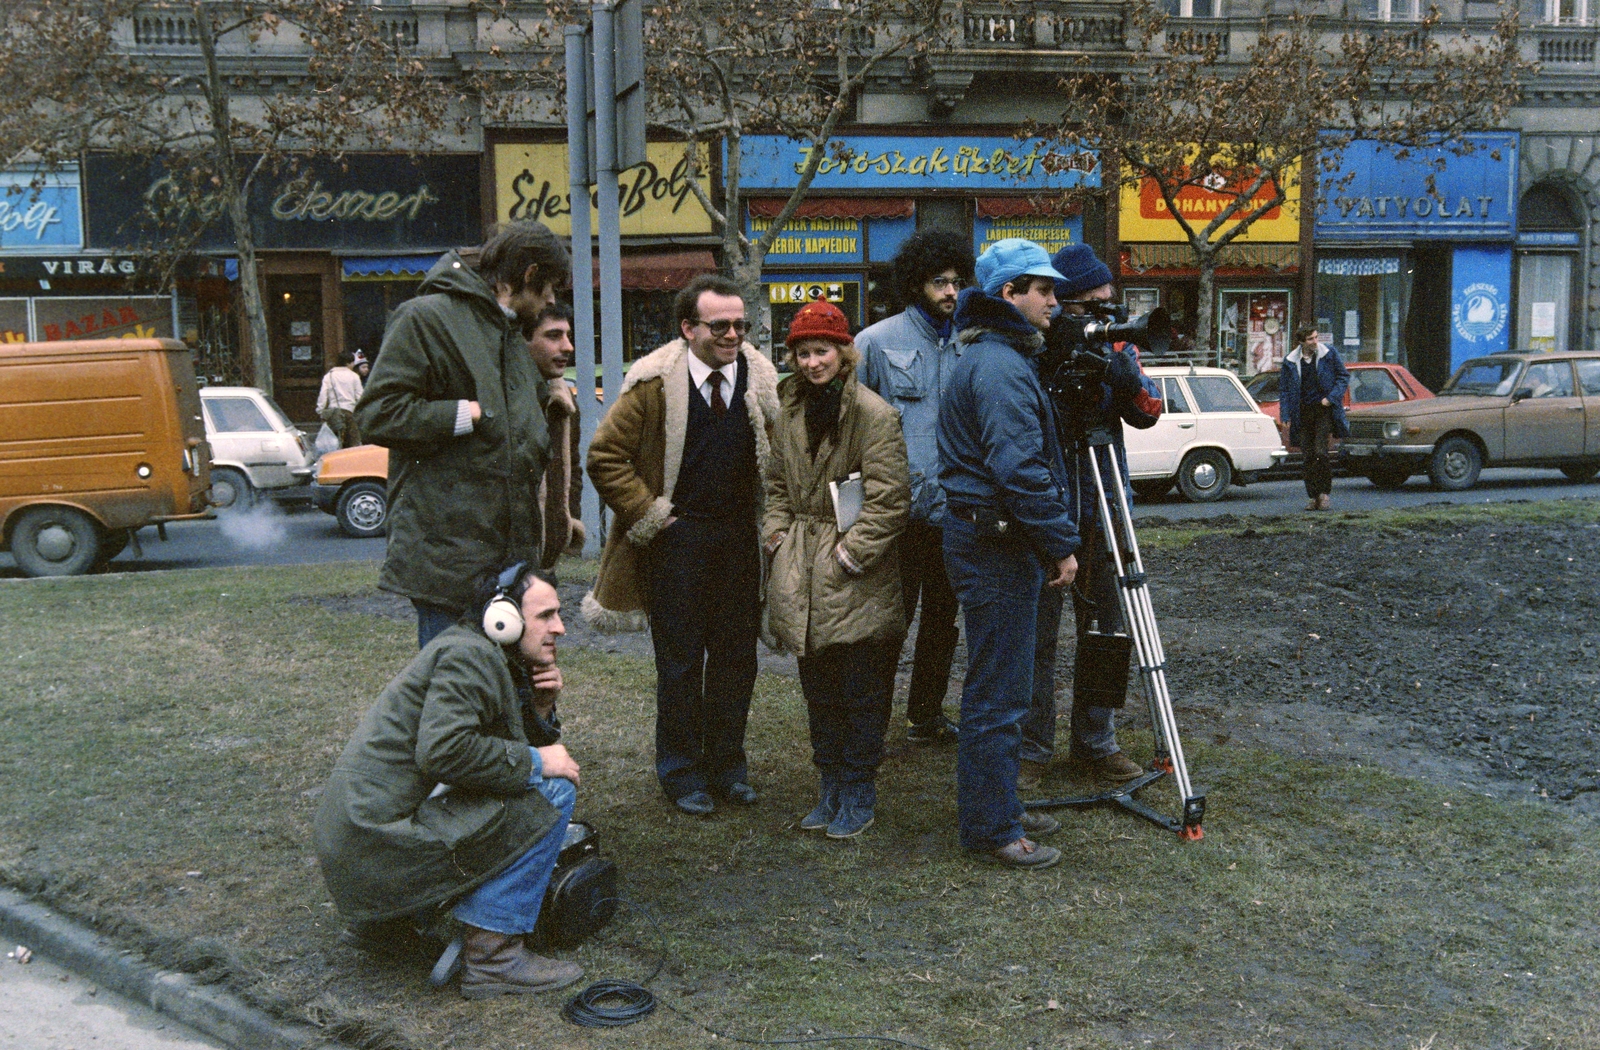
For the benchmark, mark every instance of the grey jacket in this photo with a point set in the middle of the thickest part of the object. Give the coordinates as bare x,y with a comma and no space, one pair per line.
904,362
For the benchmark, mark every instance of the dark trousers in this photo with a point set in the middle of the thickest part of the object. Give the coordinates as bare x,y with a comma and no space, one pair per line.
847,703
704,580
1316,424
1094,598
343,424
922,575
432,621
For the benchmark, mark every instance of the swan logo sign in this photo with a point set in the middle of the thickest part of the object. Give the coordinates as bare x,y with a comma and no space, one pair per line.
1479,312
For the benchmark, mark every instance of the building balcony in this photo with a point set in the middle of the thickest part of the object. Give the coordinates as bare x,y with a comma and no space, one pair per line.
1050,25
1561,49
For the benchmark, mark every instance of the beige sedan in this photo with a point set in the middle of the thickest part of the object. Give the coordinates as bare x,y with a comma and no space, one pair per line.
1508,410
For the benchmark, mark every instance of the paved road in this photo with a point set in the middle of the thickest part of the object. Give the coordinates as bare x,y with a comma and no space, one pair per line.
297,534
42,1007
269,534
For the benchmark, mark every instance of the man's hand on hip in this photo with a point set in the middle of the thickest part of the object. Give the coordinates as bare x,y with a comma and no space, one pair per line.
1066,571
557,763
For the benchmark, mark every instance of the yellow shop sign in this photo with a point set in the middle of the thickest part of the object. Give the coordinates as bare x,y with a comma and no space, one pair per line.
655,197
1145,217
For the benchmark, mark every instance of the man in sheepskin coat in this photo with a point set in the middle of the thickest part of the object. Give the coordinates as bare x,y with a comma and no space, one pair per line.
679,460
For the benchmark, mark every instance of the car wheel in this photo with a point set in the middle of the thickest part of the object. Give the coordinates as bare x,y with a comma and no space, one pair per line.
1581,472
1455,465
1391,478
1152,488
1204,475
363,510
55,541
230,489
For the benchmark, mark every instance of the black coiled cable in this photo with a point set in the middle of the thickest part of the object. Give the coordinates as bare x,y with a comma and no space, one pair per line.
634,1002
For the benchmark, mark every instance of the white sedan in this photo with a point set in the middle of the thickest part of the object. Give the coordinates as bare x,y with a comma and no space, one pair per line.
1210,432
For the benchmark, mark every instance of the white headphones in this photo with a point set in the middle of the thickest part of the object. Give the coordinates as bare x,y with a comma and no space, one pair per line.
502,616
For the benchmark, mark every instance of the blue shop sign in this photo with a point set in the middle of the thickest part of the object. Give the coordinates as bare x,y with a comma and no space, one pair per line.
809,241
1474,196
1480,302
917,162
46,218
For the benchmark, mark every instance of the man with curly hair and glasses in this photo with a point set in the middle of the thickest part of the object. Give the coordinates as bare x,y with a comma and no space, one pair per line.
906,360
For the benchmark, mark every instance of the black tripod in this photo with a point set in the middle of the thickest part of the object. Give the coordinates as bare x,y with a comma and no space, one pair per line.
1139,620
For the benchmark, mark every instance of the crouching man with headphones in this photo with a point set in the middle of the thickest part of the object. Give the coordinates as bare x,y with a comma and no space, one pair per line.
455,792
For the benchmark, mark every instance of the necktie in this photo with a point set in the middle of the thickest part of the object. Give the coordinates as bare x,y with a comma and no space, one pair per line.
719,406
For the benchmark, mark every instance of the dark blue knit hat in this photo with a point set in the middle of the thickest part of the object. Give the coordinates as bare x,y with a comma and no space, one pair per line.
1081,270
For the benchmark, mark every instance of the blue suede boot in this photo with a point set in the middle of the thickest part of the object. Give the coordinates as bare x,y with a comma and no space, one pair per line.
856,802
827,805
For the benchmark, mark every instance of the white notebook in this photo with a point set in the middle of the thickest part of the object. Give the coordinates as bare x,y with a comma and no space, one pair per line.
847,496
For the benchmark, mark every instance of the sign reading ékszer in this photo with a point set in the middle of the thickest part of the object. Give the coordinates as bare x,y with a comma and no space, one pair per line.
365,200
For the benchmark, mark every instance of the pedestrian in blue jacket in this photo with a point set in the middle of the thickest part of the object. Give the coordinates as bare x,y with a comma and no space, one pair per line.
1311,391
1009,531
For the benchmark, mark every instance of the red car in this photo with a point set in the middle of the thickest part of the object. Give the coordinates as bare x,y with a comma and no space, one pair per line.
1371,383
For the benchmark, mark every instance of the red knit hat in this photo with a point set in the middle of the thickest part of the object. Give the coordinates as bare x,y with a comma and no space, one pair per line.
819,319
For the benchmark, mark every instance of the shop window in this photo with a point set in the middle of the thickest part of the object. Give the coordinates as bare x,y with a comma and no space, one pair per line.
1253,329
120,317
1547,217
14,326
1362,303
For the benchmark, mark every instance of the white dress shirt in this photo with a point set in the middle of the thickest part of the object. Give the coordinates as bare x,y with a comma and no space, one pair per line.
700,375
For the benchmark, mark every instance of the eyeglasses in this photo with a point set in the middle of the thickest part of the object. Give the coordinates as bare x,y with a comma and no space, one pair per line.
941,283
722,328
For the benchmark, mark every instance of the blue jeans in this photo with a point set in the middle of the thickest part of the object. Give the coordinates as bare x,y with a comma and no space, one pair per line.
431,621
509,902
998,581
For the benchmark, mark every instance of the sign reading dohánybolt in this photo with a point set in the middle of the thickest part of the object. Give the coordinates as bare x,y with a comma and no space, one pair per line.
655,197
1144,216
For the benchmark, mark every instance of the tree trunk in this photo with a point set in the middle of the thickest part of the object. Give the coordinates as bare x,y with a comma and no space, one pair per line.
747,274
255,307
1205,305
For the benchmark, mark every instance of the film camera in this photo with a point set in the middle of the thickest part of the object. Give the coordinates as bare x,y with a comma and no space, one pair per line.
1078,349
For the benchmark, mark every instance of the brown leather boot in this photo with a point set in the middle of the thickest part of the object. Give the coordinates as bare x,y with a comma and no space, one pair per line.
499,964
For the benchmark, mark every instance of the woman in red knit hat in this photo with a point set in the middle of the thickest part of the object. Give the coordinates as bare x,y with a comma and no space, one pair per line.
833,595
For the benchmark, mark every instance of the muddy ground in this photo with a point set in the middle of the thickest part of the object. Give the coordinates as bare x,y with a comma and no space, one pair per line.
1462,654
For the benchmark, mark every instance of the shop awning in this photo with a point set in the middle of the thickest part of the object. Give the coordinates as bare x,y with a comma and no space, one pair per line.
389,265
1178,259
661,271
836,208
1023,207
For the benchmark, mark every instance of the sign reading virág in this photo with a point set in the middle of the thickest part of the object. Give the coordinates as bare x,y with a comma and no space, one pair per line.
655,197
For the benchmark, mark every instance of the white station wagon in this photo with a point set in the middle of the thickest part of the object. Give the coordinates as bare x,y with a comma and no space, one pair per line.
1210,433
254,447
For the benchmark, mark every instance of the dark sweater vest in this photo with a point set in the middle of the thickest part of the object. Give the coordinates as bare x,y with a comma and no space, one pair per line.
718,476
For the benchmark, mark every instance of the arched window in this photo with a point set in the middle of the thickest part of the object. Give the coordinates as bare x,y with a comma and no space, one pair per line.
1550,225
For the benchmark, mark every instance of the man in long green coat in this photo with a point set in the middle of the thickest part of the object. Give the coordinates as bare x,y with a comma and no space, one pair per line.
459,403
455,791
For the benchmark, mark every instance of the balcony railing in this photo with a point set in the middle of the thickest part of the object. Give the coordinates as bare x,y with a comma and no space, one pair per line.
165,30
1044,24
1561,49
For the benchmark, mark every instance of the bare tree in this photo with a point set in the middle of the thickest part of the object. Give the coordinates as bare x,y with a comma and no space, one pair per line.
718,71
82,78
1187,114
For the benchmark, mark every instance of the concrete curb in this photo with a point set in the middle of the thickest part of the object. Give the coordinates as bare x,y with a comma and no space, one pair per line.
205,1008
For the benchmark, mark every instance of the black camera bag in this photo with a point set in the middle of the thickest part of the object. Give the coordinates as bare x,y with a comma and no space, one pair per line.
1100,677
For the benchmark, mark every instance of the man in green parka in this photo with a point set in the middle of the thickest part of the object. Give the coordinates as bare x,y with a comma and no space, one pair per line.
455,791
458,402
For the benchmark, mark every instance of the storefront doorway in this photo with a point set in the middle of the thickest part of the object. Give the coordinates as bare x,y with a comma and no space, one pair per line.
1549,249
294,322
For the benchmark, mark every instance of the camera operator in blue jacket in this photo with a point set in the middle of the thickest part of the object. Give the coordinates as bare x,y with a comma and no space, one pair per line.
1009,531
1126,395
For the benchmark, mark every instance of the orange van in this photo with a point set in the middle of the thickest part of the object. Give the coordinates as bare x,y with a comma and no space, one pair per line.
98,438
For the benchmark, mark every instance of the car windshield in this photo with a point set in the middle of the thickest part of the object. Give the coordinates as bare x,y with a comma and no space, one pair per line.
1264,388
1485,377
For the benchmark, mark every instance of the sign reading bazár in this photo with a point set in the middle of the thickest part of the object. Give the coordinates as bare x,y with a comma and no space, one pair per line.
655,197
